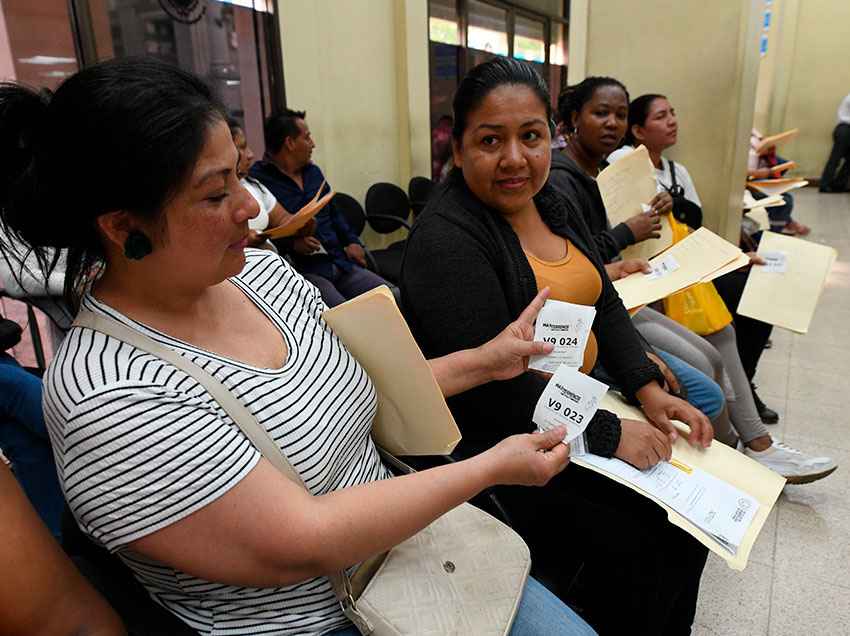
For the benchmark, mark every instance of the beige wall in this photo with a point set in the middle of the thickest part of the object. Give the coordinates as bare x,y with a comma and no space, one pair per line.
809,47
360,69
704,57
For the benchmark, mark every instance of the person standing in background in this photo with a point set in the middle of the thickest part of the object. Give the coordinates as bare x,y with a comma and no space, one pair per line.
833,179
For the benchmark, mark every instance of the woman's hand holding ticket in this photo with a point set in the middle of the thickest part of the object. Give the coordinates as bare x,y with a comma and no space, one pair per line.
506,355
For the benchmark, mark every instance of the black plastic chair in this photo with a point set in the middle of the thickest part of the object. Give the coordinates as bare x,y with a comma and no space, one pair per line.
419,189
387,210
356,219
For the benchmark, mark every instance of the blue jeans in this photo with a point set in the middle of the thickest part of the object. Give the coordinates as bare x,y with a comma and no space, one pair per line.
24,440
345,285
780,215
540,613
702,392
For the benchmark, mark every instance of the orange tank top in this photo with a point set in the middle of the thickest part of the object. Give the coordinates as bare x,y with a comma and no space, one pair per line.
572,279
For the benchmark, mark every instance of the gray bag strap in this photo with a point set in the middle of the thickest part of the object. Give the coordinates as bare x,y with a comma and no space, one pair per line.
240,415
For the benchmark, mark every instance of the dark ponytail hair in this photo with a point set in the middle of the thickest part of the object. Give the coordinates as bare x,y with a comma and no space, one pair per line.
488,76
573,98
120,135
638,112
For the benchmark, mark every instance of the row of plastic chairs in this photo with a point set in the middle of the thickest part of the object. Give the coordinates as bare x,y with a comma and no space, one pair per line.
388,209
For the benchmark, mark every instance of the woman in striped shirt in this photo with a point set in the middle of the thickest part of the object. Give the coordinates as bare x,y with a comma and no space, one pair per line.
151,466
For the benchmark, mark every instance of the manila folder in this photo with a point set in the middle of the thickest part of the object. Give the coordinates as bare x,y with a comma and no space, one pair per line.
627,184
787,299
412,417
697,256
721,461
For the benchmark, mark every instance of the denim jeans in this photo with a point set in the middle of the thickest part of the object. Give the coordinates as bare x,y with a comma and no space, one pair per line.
24,440
540,613
702,392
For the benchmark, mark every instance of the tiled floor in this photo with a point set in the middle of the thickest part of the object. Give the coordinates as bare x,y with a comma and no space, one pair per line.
798,579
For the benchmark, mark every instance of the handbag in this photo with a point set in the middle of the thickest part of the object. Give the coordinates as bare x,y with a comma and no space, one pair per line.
464,573
699,307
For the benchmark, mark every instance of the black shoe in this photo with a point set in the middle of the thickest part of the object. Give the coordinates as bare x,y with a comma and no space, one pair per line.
768,344
767,414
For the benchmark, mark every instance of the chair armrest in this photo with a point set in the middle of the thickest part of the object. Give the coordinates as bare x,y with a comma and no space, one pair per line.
389,217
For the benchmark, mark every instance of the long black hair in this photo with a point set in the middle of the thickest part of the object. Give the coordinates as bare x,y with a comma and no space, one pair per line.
120,135
573,98
638,112
488,76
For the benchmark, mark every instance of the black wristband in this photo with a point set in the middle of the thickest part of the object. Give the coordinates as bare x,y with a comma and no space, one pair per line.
603,434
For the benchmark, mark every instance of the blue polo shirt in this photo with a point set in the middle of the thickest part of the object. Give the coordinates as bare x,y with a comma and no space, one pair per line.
332,230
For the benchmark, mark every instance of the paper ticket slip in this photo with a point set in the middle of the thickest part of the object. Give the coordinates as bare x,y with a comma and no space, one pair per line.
662,267
570,399
567,327
775,262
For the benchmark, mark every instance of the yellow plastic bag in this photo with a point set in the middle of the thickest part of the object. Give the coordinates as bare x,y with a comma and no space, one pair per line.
699,308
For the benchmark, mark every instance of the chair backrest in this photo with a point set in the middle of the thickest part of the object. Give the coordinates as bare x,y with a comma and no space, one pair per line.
351,210
419,189
386,199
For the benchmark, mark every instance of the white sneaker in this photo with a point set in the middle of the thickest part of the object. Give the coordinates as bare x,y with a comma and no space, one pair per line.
796,467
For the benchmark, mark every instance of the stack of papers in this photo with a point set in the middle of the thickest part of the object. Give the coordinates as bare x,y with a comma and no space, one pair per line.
720,510
718,495
412,417
774,140
751,202
783,167
760,216
786,292
300,218
626,186
776,187
699,258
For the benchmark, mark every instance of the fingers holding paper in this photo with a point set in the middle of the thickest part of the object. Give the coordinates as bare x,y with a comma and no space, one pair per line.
529,314
621,269
506,355
642,445
644,226
662,203
530,460
755,259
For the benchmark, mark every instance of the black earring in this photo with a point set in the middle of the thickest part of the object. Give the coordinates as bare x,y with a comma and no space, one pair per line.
137,246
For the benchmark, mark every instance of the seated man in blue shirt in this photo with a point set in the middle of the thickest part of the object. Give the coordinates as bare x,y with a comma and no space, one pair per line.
333,259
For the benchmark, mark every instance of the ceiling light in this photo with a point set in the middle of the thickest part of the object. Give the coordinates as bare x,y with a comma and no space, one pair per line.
47,59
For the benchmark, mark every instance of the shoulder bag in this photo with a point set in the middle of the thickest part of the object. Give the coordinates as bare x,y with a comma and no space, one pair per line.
684,210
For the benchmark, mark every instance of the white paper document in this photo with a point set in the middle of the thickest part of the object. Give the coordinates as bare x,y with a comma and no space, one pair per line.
570,399
627,186
567,326
775,262
713,505
662,267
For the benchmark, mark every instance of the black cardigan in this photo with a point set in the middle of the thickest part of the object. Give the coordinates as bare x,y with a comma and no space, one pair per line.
465,277
568,178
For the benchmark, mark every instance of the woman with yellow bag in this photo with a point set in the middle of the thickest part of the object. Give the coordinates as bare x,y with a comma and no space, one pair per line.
653,123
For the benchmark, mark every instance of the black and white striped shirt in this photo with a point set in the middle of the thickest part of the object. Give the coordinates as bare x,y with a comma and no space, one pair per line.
140,445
